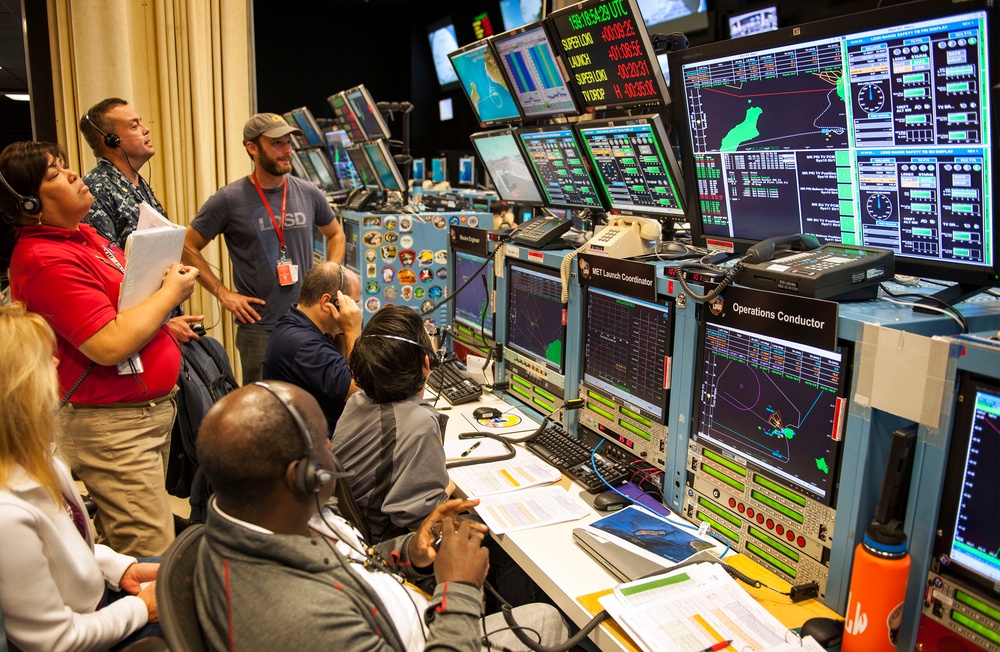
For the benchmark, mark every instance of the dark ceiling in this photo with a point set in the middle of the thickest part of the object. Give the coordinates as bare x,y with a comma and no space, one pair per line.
14,73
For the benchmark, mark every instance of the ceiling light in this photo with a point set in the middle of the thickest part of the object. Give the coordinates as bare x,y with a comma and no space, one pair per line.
20,97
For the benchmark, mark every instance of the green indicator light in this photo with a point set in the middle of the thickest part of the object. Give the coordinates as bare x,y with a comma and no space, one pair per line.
520,381
773,504
921,208
774,543
718,459
633,429
913,92
977,604
545,395
961,208
720,527
631,170
774,561
543,404
606,415
916,119
778,489
982,630
638,417
639,188
725,478
518,390
709,505
958,117
600,399
920,194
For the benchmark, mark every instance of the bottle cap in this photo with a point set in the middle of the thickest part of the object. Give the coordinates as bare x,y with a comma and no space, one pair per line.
885,539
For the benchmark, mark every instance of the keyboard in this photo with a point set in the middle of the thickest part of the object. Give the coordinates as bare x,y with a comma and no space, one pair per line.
453,385
572,456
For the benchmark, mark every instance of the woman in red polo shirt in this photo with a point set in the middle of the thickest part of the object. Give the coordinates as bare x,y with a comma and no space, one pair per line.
120,366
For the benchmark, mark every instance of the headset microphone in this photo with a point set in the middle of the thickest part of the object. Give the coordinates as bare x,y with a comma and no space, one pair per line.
27,204
111,140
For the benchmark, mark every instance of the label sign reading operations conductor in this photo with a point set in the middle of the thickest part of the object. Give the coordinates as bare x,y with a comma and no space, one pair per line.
604,45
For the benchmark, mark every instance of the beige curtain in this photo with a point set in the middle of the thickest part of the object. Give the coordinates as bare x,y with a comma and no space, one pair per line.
186,66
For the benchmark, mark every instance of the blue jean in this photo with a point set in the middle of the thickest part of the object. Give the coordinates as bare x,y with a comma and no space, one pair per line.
251,343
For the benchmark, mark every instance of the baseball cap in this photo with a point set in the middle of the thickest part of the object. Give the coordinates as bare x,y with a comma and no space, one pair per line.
271,125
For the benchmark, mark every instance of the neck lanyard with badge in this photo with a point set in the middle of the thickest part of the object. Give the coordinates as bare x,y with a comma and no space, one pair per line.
288,273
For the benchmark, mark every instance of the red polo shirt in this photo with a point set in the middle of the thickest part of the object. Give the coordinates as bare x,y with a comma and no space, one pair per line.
66,277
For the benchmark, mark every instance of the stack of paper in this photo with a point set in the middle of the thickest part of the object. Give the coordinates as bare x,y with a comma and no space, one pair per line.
150,250
520,472
520,510
693,608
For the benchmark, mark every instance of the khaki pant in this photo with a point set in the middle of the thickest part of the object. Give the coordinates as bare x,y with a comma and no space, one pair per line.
120,454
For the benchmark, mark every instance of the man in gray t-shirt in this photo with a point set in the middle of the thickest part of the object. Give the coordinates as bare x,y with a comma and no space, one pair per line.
267,218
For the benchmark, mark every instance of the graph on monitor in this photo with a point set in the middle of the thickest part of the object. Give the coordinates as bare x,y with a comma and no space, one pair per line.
537,323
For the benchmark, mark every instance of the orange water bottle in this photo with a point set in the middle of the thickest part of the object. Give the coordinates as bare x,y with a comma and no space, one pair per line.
878,589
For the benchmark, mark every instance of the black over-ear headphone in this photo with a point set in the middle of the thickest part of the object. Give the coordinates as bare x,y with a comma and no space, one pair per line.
111,140
27,204
310,476
436,358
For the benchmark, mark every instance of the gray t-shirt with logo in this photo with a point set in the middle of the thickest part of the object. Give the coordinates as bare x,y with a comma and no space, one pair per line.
237,212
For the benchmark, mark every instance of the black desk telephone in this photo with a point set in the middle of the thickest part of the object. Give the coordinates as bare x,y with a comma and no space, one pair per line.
799,264
541,232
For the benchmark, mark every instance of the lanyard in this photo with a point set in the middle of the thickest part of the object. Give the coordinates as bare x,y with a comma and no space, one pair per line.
114,261
278,228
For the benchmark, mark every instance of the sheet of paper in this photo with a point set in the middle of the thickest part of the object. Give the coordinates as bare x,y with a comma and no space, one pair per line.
530,508
691,609
150,218
521,472
651,536
484,447
513,421
474,367
149,253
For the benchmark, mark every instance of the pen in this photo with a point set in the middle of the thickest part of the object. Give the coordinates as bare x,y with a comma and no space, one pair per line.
471,448
721,645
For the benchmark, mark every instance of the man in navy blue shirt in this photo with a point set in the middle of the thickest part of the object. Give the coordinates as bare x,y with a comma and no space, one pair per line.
312,342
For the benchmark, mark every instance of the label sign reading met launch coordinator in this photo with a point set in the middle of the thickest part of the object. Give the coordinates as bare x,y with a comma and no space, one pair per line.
605,47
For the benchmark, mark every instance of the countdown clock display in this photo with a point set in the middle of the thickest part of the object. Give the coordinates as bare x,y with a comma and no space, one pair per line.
607,54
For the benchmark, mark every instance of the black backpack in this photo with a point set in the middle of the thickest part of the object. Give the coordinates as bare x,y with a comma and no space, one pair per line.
206,376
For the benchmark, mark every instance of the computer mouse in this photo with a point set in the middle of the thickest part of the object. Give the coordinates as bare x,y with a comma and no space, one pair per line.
610,501
486,413
826,631
672,247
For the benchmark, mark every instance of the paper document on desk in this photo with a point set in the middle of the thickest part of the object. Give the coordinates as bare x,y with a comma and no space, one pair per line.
456,450
521,472
511,422
693,608
536,507
150,250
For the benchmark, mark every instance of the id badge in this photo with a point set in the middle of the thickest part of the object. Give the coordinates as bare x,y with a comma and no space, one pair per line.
285,276
130,366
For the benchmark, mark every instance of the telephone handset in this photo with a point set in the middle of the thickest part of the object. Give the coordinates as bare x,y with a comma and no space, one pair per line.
765,250
625,237
361,199
541,232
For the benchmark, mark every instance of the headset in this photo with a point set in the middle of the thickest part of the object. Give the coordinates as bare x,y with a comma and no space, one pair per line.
437,358
27,204
310,476
111,140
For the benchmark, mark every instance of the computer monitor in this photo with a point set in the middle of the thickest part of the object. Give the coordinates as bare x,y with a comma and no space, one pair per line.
366,172
467,171
351,245
419,173
369,117
626,351
669,16
385,167
472,312
560,166
608,55
536,324
635,165
443,40
346,117
324,172
774,402
967,532
337,143
485,84
505,164
303,118
439,169
873,129
529,58
520,12
760,20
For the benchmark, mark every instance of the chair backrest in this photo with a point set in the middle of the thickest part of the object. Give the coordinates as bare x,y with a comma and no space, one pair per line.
175,592
347,505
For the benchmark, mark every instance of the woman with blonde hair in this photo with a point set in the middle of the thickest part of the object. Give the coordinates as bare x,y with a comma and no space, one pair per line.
53,577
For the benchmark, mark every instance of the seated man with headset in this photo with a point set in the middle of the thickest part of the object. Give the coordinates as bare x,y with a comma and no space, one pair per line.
263,581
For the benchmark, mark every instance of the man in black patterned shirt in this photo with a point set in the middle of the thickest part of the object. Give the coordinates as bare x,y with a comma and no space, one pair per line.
122,145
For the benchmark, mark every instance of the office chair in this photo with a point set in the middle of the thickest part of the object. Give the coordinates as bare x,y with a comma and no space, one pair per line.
175,592
348,506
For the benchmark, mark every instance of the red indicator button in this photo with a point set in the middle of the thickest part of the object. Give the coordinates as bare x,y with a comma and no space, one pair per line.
770,524
750,512
801,541
780,529
732,502
760,518
740,508
790,535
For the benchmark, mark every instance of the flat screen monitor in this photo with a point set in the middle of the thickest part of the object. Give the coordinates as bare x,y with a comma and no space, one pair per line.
419,173
351,245
299,168
439,169
520,12
560,166
626,351
968,532
303,118
443,42
485,84
337,143
668,16
532,67
774,402
446,110
366,172
369,117
384,165
505,164
346,117
537,318
472,305
890,143
467,171
635,165
324,172
608,55
760,20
